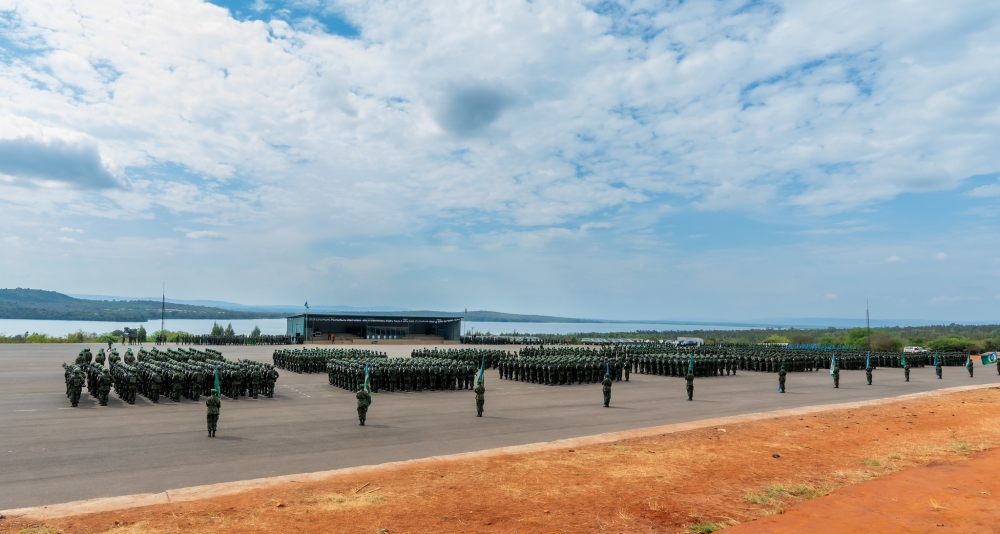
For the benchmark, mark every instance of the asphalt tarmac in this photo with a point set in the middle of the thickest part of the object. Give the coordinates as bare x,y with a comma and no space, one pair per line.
52,453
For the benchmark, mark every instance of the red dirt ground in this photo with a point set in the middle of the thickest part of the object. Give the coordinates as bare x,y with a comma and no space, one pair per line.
942,497
687,481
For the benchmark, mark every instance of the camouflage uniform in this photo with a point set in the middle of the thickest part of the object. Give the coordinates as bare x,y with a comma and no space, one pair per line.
607,390
480,397
364,401
213,403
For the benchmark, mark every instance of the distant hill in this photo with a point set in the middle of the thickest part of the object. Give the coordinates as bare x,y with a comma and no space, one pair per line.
38,304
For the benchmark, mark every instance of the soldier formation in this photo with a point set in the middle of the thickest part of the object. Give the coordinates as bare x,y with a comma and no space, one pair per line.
179,373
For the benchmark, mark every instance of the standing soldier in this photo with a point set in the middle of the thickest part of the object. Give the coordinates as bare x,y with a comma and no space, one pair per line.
836,373
868,372
213,403
480,396
968,365
103,387
75,387
906,368
937,367
781,378
364,400
606,389
689,377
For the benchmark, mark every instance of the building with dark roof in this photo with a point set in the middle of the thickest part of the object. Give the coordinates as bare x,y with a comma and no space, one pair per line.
335,327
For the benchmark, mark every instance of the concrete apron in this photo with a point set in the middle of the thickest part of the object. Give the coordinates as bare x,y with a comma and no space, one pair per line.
106,504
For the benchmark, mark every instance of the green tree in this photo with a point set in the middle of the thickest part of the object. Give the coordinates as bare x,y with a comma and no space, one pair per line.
255,334
775,338
952,342
886,342
142,334
229,330
217,330
802,339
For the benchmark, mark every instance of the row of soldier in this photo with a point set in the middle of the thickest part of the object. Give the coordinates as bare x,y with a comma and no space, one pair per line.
177,374
313,360
240,339
400,374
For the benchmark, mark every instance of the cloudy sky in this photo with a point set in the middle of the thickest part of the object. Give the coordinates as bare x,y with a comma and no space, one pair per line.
636,160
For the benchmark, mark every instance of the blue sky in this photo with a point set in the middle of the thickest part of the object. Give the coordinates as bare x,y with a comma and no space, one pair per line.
627,160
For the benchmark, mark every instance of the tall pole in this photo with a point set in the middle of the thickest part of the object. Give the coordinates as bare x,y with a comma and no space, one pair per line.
868,326
163,310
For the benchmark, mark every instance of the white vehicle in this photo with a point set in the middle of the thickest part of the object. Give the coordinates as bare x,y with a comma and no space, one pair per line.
690,341
911,350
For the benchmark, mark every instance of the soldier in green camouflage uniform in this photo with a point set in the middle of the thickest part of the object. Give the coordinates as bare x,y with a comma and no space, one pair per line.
364,401
607,390
480,397
75,386
937,367
906,370
214,404
868,373
836,373
968,366
103,387
689,378
781,378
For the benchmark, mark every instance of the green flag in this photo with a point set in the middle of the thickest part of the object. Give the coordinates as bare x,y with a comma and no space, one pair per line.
218,388
482,371
902,360
691,365
833,361
988,359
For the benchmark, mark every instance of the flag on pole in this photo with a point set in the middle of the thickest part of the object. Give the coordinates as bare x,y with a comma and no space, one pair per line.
902,360
307,304
868,362
608,368
482,371
691,365
833,362
218,388
989,359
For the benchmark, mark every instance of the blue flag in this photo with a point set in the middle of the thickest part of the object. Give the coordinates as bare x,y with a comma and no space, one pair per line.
868,362
482,371
833,361
307,304
608,367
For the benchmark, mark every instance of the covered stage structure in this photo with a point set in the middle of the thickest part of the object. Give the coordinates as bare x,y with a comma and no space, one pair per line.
350,328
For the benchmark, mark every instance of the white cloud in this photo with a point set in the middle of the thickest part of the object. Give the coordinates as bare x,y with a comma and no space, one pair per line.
66,240
205,234
66,229
830,296
941,256
986,191
893,259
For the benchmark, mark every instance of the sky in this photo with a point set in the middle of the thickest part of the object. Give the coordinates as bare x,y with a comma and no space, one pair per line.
714,160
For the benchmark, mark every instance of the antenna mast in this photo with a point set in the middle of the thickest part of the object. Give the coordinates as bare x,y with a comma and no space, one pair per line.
163,310
868,326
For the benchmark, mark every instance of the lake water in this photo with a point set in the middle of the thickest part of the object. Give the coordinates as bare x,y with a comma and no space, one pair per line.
573,328
12,327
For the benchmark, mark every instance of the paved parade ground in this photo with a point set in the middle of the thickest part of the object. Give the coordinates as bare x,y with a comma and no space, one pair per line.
51,453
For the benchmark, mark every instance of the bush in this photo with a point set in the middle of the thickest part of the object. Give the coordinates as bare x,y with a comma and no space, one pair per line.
775,338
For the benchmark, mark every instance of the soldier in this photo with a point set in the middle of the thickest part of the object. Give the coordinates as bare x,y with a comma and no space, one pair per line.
781,378
689,378
906,369
937,367
103,387
868,373
213,403
75,387
607,390
968,365
836,373
480,396
364,401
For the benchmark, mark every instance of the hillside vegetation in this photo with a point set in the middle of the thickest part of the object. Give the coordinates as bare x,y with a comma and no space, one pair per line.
38,304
